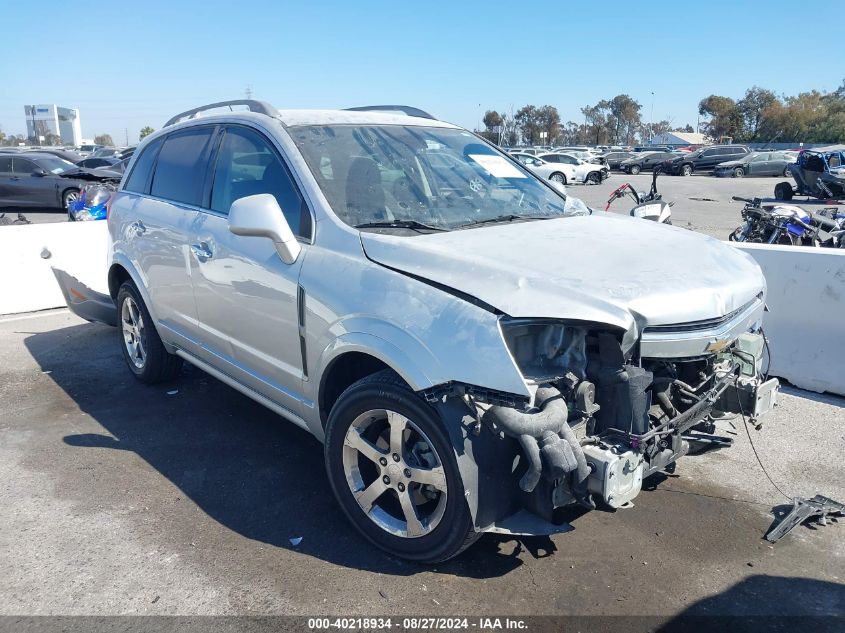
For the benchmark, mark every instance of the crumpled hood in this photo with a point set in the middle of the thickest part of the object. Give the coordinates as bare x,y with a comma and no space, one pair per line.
606,268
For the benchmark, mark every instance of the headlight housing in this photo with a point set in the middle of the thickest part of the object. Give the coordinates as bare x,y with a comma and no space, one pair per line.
546,350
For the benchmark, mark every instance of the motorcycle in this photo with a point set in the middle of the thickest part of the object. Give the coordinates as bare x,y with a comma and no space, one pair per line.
92,202
649,206
788,224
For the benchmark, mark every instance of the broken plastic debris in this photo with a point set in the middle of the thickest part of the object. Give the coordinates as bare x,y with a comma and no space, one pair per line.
296,541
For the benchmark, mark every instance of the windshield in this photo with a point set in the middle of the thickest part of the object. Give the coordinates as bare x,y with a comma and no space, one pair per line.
437,177
55,165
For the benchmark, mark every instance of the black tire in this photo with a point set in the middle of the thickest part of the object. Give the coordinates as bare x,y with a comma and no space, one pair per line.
558,177
386,390
158,364
594,178
739,172
783,191
67,197
786,172
686,170
634,170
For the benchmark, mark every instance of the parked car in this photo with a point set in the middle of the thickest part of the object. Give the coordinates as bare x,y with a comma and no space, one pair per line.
562,173
64,154
471,355
756,164
97,161
613,160
644,161
33,179
652,148
818,172
105,152
88,149
585,171
704,159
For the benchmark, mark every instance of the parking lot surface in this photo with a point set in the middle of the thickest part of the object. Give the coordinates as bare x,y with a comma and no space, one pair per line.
184,498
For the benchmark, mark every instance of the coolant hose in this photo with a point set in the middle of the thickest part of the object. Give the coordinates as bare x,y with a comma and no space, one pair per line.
531,449
582,472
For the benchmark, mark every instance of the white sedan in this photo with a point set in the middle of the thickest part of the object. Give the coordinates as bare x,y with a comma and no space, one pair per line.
585,171
556,172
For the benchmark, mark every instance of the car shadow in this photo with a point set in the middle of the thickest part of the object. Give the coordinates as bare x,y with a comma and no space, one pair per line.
243,465
763,603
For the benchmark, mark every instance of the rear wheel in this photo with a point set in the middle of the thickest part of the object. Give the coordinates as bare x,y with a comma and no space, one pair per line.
143,351
394,473
783,191
739,172
686,170
558,177
635,169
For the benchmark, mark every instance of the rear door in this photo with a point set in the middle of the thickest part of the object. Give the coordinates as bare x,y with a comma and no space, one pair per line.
29,190
6,175
163,220
247,297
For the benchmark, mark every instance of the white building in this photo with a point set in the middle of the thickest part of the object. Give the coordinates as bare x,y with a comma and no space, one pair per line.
680,139
52,119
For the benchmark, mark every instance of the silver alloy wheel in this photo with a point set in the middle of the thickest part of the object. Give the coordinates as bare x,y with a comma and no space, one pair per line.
70,198
395,474
132,324
558,178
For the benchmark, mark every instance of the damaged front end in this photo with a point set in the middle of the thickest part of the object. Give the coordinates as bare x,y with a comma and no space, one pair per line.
604,416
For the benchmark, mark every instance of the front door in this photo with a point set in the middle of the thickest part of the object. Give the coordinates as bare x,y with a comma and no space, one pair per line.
247,298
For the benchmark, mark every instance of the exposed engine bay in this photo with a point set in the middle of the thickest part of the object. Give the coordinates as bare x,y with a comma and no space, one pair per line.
601,420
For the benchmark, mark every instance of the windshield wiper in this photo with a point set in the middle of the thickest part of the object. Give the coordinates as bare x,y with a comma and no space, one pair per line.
400,224
508,218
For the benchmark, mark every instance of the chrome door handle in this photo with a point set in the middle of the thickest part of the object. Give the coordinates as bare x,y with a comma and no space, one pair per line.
202,251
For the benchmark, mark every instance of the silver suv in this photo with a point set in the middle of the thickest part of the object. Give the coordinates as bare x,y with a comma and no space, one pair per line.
474,350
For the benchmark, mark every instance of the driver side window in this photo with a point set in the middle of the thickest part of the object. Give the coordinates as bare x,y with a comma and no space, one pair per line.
247,165
23,167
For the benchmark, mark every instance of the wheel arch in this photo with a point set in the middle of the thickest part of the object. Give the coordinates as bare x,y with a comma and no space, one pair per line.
122,270
355,355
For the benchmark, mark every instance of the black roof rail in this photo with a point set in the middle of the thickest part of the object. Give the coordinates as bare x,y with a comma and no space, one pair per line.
410,111
261,107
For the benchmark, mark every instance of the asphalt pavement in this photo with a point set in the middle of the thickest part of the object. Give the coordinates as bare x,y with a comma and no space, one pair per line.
188,498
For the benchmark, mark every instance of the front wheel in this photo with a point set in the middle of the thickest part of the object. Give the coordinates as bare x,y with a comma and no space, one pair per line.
783,191
68,198
558,177
394,473
594,178
635,169
686,170
739,172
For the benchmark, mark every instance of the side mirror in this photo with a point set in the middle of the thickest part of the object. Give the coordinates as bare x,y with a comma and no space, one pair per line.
261,216
38,172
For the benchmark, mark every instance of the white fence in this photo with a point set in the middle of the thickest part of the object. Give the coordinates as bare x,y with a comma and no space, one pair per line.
28,252
806,319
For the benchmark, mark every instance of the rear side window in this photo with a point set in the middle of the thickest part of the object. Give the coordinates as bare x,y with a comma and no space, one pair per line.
247,165
5,165
139,179
182,165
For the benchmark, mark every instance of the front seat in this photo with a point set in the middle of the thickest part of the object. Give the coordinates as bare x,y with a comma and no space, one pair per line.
364,192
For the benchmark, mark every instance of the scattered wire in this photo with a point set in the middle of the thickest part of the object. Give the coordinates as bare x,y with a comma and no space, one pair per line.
754,448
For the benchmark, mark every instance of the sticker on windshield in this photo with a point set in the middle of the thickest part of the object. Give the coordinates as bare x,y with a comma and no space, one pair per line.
497,166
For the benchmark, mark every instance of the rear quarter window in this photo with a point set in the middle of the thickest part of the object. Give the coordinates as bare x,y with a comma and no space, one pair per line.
139,179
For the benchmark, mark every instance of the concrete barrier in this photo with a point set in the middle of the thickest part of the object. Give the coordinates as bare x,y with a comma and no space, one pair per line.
806,319
28,252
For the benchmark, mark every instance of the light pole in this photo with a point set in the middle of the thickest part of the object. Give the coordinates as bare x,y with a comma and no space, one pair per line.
651,121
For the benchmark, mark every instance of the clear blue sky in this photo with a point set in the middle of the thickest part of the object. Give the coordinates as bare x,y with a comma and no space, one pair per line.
130,63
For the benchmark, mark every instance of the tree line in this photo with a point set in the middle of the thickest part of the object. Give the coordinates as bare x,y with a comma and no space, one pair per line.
760,115
763,116
616,121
